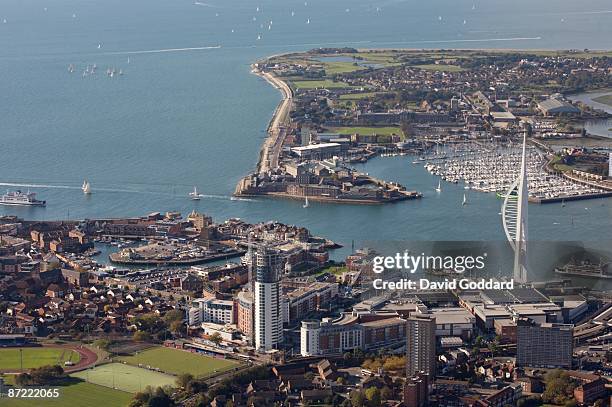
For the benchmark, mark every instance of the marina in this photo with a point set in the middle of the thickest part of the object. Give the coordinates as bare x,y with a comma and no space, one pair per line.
492,168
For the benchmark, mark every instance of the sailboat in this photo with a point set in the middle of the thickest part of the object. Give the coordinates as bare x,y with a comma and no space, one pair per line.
563,203
86,188
195,195
464,200
305,203
439,188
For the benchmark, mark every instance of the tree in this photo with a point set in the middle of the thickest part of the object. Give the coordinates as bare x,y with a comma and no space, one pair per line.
142,336
357,398
40,376
372,394
216,338
494,347
174,315
386,393
159,398
183,380
176,327
102,343
559,387
23,379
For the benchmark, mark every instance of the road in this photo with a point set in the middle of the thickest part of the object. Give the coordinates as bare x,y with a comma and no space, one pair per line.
277,129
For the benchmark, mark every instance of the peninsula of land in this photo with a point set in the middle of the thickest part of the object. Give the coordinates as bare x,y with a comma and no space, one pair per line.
446,108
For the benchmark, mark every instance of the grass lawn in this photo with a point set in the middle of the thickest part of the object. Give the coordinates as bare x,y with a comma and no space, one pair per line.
357,96
176,361
10,358
383,131
605,99
327,83
79,394
335,270
440,67
124,377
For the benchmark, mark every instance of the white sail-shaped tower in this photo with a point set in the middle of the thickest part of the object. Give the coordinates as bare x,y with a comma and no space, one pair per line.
514,218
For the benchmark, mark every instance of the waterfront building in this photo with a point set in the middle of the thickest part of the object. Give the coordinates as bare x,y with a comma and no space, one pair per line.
317,151
267,266
555,106
421,345
202,224
548,345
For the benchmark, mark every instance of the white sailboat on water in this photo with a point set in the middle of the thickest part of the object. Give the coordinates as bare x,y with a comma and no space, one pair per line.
464,200
86,188
195,195
439,188
305,203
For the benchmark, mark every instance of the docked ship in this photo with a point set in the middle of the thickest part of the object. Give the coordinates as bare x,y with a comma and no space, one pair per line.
586,268
18,198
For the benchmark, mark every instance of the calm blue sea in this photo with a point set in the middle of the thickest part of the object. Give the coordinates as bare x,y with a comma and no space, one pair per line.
186,110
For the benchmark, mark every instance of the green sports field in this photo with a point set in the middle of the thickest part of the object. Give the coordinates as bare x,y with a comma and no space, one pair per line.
10,358
320,84
124,377
79,394
176,361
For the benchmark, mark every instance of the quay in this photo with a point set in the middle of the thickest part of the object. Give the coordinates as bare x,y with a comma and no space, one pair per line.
557,199
118,259
403,196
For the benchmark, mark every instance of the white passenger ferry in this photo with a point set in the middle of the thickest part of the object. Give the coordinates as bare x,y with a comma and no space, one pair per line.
18,198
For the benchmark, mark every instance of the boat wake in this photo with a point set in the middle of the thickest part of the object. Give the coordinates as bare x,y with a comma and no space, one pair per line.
591,12
119,190
51,186
199,3
159,51
12,184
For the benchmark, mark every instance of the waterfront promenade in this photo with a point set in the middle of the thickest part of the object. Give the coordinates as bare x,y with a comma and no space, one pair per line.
271,148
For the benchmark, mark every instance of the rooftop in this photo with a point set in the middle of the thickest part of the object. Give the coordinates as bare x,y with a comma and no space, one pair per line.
315,146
